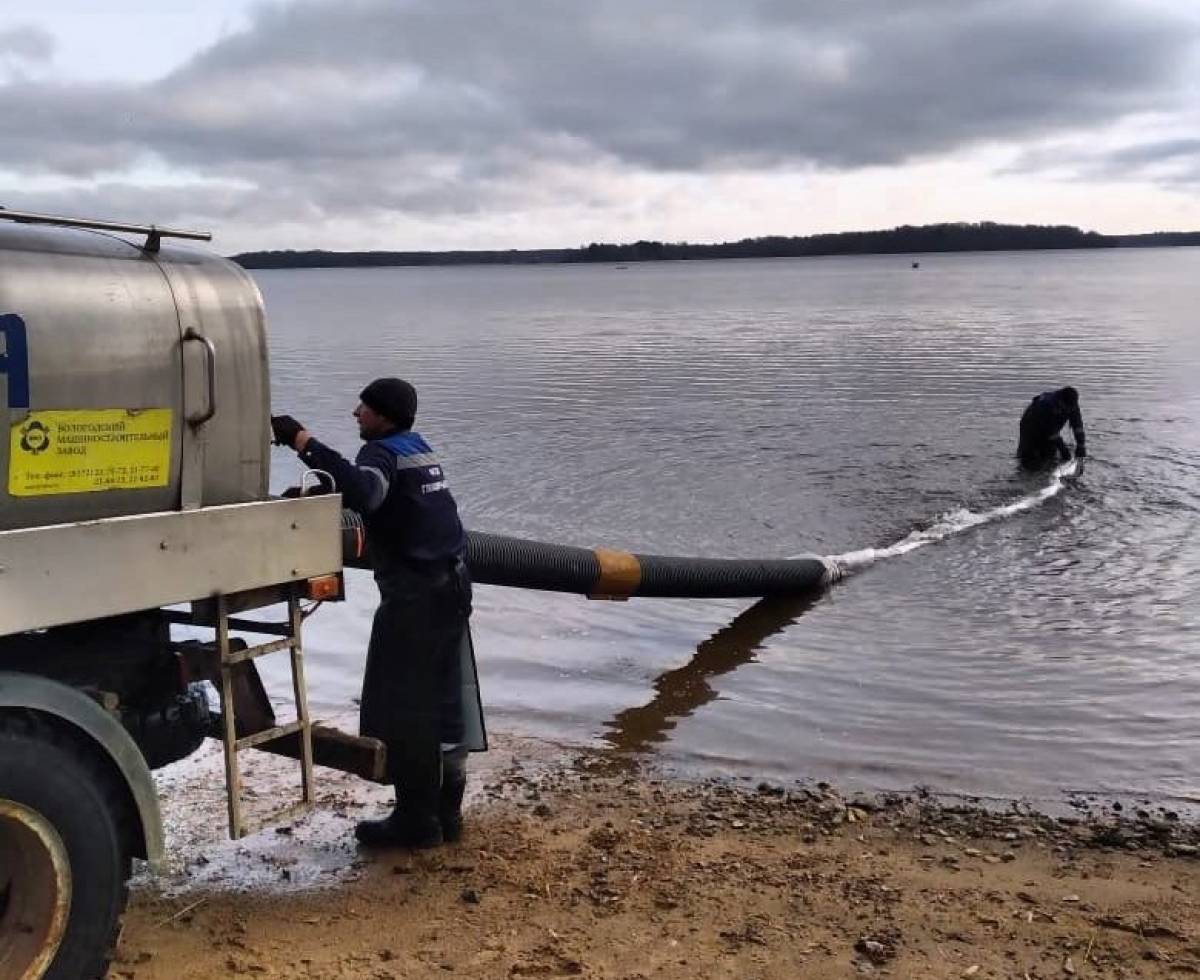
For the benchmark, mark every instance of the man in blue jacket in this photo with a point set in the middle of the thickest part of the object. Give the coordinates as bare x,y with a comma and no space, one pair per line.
1043,419
412,688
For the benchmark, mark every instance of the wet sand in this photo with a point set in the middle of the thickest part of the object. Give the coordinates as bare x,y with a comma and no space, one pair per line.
574,866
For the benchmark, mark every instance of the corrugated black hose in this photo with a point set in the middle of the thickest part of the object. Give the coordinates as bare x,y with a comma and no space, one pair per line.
496,559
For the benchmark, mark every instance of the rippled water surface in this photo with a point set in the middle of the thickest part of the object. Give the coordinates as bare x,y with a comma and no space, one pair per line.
769,408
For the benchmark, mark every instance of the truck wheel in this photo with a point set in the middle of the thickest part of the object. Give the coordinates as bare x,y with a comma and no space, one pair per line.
63,860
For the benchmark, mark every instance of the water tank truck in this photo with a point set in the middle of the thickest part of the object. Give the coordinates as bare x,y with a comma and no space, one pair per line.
134,467
134,462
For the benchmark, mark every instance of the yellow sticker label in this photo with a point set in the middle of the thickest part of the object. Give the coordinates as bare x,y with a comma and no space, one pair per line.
85,450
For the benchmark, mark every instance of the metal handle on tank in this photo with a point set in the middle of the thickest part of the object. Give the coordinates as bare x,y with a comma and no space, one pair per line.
210,363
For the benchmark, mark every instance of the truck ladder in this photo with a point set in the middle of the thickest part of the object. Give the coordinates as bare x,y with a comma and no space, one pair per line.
229,658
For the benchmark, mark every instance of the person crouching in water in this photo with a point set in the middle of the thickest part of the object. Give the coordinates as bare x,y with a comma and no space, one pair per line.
1041,423
412,687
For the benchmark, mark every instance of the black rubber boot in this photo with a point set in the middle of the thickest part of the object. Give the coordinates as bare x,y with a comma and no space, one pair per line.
454,785
399,830
414,821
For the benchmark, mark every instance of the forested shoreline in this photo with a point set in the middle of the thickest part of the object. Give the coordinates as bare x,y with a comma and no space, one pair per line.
956,237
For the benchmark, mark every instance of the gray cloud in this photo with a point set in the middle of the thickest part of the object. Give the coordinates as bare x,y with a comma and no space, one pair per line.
26,43
1161,151
700,84
1169,162
451,106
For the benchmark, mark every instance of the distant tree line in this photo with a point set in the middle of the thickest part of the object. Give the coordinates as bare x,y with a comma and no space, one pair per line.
318,258
1157,239
984,236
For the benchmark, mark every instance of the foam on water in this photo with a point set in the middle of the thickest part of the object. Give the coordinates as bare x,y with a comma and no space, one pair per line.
949,524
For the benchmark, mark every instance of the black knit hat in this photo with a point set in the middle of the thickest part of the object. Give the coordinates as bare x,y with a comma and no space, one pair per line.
393,398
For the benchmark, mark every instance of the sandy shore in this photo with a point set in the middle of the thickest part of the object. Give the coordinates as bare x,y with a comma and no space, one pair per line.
583,869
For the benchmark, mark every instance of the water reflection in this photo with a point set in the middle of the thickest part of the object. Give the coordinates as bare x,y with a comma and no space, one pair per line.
679,693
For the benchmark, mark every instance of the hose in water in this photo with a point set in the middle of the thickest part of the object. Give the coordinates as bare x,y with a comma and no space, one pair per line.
499,560
495,559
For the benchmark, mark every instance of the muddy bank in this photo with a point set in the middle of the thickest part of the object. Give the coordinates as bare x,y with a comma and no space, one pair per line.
583,870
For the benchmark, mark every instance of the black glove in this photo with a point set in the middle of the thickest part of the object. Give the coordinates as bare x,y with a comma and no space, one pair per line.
1081,452
285,429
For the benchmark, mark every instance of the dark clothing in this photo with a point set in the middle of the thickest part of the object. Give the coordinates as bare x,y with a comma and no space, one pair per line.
398,486
412,686
1041,423
413,678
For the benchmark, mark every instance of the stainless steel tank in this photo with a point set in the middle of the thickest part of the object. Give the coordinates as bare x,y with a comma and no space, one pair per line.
133,377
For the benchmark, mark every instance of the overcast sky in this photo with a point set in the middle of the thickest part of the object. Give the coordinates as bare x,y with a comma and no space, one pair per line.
415,124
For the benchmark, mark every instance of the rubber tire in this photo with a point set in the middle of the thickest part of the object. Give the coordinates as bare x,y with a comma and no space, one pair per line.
63,778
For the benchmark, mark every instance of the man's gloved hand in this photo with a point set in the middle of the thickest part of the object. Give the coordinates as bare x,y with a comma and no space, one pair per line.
1081,452
285,429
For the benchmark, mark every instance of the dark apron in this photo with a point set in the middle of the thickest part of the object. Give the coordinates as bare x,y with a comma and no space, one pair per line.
421,685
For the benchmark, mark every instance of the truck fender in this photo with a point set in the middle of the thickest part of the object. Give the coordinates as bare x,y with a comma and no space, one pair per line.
33,693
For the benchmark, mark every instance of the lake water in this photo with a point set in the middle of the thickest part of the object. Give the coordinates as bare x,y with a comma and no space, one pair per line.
776,407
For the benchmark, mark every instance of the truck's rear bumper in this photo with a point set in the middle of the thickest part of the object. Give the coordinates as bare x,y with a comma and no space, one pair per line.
70,573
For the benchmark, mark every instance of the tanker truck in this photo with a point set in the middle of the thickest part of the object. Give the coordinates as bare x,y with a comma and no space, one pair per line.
137,532
134,465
